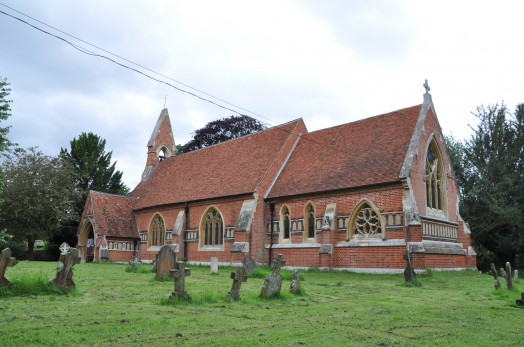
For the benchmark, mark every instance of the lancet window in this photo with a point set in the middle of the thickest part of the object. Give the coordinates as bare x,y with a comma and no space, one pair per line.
309,219
285,222
434,178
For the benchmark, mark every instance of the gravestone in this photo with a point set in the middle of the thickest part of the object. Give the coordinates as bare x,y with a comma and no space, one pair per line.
495,277
135,261
515,275
520,302
64,276
5,261
409,272
273,282
179,275
509,282
214,265
165,260
249,264
238,277
295,283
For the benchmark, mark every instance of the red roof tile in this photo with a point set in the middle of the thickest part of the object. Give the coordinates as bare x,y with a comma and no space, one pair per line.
113,214
365,152
231,168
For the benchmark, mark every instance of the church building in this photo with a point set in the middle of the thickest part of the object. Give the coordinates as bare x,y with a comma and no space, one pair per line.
354,196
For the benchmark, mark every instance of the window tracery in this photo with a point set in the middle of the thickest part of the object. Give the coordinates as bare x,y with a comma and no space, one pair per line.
434,178
157,231
212,228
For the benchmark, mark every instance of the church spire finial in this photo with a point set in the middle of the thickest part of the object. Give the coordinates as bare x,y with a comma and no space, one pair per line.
426,85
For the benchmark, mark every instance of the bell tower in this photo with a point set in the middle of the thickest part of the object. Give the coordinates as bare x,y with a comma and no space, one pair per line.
161,144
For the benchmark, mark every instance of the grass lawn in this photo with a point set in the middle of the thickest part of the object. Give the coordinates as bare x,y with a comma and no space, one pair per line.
112,307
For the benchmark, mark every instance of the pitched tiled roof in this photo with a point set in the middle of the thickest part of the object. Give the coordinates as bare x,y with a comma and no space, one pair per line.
231,168
113,214
365,152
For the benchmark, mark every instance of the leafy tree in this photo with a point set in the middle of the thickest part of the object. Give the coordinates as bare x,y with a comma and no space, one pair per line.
489,168
221,130
93,171
38,196
5,113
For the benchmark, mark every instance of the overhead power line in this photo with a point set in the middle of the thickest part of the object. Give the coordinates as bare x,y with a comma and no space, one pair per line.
91,53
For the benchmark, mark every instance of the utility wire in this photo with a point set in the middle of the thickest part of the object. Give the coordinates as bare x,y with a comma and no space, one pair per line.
132,62
91,53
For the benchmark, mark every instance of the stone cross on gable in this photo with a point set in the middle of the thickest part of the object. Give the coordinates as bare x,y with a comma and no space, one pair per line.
64,276
179,275
238,277
426,85
5,261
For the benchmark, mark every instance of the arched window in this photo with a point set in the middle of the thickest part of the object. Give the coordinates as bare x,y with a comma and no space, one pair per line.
162,154
434,178
157,231
309,222
366,222
284,214
212,228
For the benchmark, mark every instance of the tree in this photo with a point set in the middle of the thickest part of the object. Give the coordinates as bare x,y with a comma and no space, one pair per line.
5,113
489,168
38,196
93,171
221,130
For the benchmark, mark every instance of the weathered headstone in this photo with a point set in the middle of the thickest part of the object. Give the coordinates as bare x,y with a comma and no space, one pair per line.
503,273
214,265
5,261
273,282
249,264
179,275
509,282
238,277
515,275
64,276
409,272
165,260
295,287
495,277
135,261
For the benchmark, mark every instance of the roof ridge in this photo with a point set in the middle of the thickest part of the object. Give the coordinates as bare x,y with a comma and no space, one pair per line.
112,194
241,137
362,119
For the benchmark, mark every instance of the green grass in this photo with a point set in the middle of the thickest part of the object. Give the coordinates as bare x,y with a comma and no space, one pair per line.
112,307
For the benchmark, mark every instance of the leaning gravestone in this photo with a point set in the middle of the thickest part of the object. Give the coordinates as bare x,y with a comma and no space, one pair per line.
179,275
165,261
214,265
238,277
5,261
509,282
295,283
64,276
273,282
249,264
409,272
495,277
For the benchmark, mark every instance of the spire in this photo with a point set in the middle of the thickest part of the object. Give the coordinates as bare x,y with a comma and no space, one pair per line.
161,144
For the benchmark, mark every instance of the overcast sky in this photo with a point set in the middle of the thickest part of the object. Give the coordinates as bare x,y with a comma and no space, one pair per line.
329,62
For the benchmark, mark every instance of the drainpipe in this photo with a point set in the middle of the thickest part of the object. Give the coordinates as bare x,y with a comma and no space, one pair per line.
186,214
272,210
